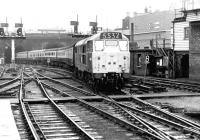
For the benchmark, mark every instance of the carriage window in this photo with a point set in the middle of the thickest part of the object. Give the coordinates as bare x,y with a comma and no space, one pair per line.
99,45
123,45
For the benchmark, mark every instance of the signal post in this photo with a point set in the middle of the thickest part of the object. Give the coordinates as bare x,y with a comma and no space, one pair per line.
75,24
12,37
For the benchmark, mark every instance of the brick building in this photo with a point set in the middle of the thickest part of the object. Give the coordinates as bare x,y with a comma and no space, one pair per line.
150,36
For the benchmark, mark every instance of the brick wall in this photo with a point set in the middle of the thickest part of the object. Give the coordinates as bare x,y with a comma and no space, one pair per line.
139,69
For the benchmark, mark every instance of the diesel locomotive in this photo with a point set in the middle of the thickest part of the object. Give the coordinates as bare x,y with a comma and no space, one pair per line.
102,60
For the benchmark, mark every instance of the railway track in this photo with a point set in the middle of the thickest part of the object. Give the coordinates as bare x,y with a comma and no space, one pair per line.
9,88
156,111
47,121
171,129
45,116
54,73
52,120
167,129
21,123
168,83
141,104
70,86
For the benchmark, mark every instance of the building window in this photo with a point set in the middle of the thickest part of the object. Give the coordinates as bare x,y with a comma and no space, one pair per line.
186,33
139,61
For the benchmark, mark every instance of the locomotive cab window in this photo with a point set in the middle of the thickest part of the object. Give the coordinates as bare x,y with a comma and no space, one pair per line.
89,46
123,45
99,45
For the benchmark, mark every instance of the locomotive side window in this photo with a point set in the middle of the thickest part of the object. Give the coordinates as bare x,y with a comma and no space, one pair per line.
75,49
89,46
84,54
123,45
99,45
84,49
84,59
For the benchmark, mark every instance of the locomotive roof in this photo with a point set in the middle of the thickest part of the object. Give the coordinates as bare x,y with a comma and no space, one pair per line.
94,37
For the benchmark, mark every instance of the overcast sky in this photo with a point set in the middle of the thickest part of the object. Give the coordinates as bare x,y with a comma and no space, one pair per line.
58,13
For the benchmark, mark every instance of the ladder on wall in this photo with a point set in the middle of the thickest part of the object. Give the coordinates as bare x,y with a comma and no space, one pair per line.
168,56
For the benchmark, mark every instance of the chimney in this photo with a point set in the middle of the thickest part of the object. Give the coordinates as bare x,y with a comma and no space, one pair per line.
132,32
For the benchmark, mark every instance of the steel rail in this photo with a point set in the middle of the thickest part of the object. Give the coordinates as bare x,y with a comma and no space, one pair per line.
66,117
10,82
135,116
170,81
187,122
30,125
17,86
118,120
168,122
67,85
